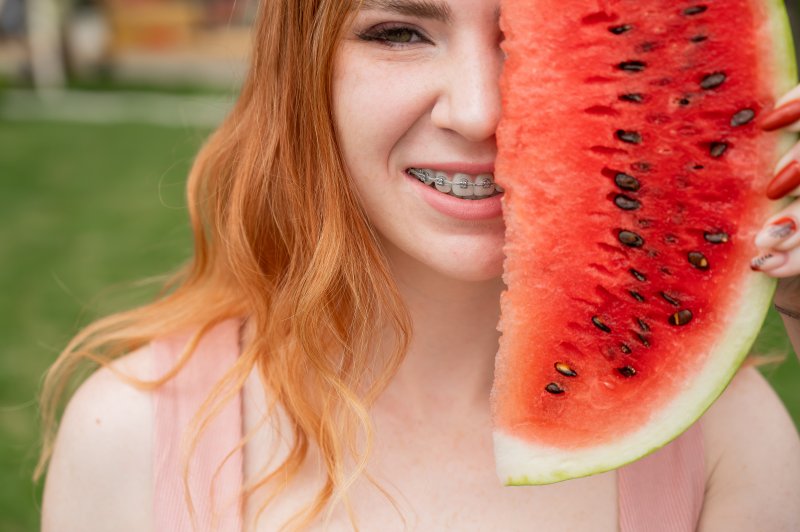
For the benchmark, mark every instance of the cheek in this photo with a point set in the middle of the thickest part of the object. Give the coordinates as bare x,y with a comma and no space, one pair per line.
373,111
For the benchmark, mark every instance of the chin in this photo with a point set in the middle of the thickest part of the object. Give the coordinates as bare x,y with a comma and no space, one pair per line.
481,276
471,268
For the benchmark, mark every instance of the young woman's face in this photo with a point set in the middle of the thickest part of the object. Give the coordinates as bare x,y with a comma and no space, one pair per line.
416,95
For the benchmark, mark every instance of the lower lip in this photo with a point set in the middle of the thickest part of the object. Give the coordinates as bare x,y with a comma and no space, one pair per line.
483,209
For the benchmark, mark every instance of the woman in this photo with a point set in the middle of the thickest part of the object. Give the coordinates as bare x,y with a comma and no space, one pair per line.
316,258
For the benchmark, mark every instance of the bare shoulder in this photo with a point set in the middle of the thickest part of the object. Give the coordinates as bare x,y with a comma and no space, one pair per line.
753,456
99,477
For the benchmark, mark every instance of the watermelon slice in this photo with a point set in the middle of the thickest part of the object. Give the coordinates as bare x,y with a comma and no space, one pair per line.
635,173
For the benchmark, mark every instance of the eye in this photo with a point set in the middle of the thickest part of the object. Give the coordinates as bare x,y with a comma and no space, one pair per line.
393,36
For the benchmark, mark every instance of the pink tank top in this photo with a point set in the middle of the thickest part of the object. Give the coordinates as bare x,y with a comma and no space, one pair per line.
662,492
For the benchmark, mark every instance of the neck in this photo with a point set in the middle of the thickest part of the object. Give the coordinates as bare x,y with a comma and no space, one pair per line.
449,364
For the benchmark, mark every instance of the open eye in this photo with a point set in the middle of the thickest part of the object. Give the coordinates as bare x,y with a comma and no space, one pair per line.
393,35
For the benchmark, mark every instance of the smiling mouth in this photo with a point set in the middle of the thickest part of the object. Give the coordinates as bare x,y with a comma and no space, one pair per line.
459,185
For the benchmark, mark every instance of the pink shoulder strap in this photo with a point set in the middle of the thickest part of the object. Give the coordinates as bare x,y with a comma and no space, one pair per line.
215,499
663,492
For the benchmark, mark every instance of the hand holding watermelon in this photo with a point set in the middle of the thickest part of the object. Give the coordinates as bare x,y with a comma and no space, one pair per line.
778,240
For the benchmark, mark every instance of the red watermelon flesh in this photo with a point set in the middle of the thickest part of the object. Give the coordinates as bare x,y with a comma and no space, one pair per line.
635,173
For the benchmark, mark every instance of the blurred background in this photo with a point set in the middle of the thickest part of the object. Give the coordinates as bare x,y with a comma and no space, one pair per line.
103,104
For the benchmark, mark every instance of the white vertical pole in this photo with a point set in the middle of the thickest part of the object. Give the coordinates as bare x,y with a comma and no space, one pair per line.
44,38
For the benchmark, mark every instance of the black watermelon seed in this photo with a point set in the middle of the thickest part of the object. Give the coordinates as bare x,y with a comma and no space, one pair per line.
643,339
638,275
600,325
671,300
554,388
634,97
625,203
684,101
636,295
627,371
698,260
699,38
630,239
631,137
565,369
694,10
682,317
742,117
632,66
712,81
642,325
626,182
716,149
697,167
619,30
716,238
625,349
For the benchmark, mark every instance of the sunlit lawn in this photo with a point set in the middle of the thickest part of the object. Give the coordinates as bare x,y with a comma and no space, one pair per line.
84,208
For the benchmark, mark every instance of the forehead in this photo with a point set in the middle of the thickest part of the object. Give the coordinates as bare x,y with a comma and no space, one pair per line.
441,10
437,9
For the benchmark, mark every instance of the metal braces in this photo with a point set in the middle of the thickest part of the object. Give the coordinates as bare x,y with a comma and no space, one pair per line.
427,177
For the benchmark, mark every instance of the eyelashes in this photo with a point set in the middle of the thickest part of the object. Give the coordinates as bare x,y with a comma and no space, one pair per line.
394,35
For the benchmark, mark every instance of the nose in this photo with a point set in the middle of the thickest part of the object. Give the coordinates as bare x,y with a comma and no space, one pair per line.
469,100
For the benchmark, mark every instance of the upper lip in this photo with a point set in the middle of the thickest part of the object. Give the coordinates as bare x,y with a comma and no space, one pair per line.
457,167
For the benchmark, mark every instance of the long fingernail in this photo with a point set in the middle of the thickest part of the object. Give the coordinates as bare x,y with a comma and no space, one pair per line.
767,262
787,180
782,116
777,231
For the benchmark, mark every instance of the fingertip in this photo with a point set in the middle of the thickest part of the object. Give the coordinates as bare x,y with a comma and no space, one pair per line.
781,116
784,182
768,262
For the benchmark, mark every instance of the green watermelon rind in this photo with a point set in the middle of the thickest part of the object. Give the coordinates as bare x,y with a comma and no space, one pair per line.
783,45
520,464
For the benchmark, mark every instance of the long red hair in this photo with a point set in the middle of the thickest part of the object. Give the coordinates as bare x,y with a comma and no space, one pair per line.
279,240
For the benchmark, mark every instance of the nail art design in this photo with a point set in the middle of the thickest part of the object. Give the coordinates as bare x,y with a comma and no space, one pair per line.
787,180
768,261
782,116
782,228
757,263
776,232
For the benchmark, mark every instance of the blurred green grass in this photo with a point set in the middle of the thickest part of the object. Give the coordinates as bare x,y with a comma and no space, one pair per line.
83,209
87,207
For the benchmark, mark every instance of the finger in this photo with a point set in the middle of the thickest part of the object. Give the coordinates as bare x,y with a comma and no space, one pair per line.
769,261
780,232
787,175
780,264
785,113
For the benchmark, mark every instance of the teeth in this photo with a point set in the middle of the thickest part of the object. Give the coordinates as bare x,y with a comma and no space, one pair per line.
442,182
484,186
460,185
426,176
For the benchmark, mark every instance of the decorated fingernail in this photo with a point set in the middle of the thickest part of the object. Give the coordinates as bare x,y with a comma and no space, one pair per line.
782,116
787,180
767,262
777,231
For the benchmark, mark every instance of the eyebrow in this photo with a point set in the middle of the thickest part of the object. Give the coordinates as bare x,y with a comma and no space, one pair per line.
413,8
